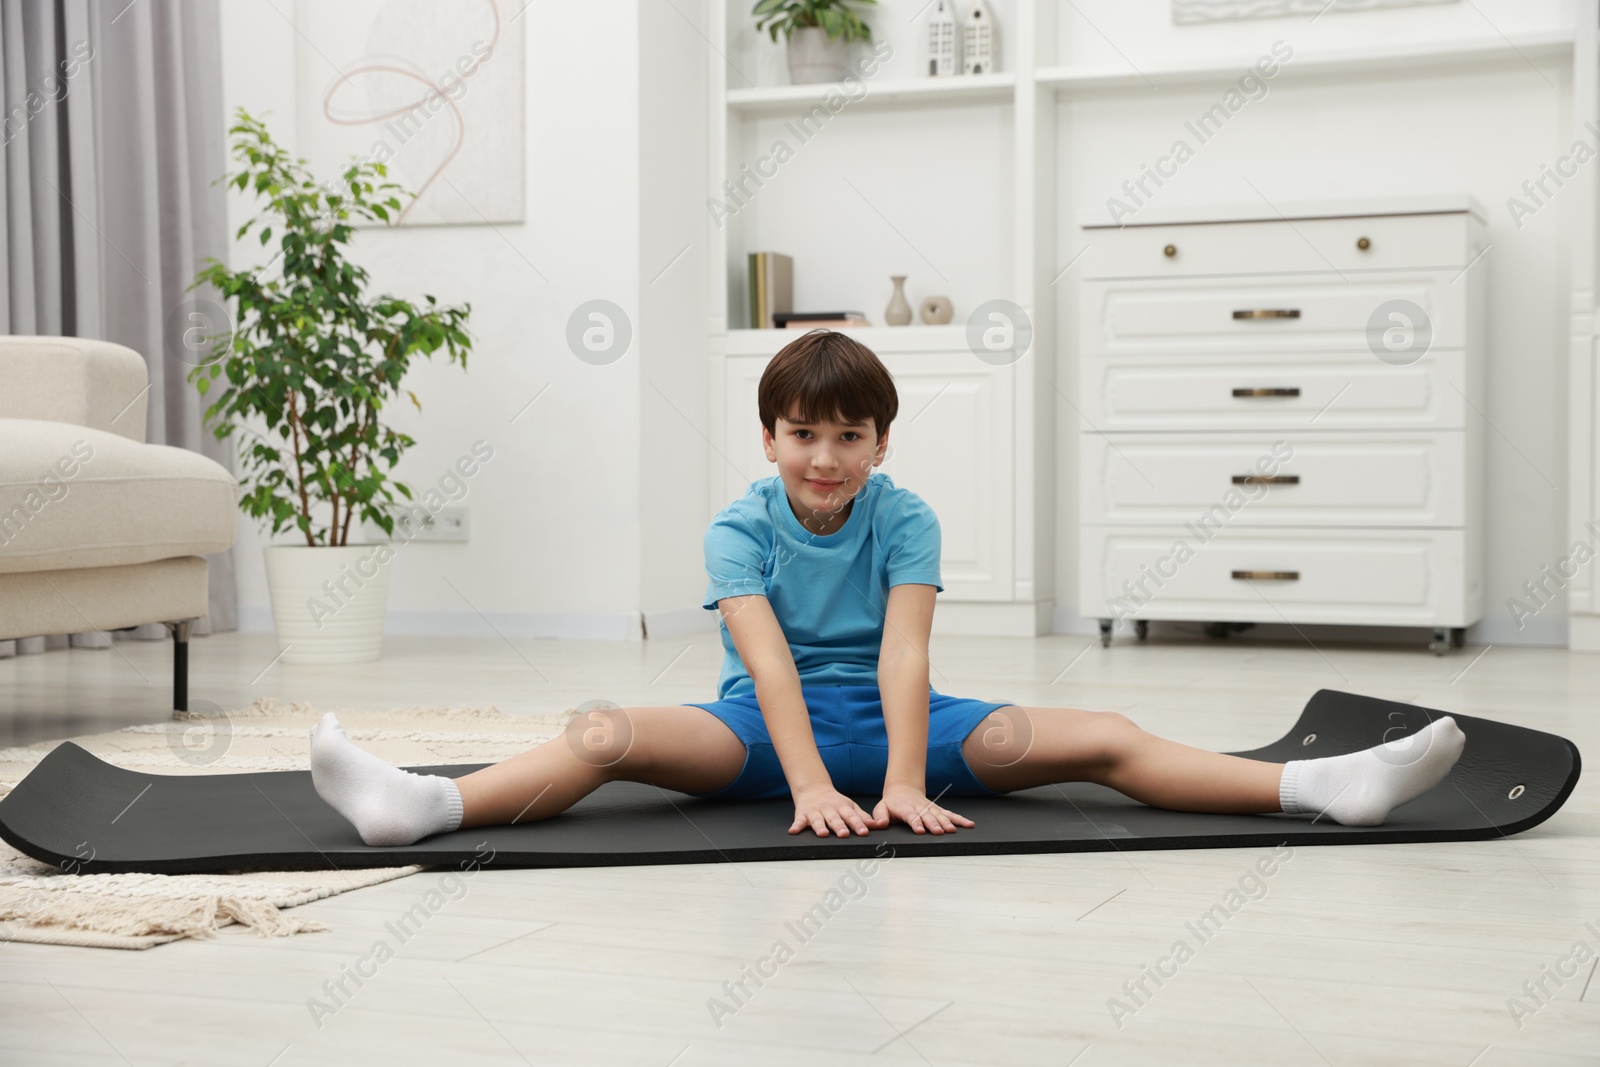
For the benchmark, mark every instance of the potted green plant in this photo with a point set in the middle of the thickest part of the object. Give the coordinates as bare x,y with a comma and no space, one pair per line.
315,358
818,33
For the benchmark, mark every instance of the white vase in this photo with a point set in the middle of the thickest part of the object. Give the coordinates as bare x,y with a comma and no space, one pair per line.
815,57
328,603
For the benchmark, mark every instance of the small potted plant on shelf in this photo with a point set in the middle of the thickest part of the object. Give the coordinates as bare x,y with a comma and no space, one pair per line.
818,33
315,358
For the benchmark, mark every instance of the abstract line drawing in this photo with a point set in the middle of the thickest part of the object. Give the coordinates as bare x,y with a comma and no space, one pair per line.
431,88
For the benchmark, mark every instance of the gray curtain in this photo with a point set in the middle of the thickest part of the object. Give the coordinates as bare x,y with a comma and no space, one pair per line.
113,139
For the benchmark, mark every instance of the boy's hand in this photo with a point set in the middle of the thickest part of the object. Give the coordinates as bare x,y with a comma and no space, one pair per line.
822,806
913,808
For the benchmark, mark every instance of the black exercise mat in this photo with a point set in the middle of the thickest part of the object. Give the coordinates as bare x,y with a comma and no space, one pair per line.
90,817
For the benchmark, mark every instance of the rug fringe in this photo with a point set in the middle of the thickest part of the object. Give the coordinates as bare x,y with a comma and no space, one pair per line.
135,911
199,917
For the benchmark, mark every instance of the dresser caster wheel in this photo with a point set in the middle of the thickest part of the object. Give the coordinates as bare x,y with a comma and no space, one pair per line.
1105,633
1141,628
1440,642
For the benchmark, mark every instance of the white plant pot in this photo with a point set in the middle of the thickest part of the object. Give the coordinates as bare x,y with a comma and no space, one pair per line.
328,602
815,57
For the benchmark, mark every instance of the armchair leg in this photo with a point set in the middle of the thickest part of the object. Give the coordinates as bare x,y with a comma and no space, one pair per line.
180,664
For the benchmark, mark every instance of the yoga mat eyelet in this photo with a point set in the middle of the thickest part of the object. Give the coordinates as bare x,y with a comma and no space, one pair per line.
1309,738
1516,791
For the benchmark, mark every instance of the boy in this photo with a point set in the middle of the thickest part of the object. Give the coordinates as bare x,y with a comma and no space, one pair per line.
825,575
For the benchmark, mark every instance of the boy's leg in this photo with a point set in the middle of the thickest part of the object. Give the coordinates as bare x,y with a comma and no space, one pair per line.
680,747
1016,748
685,748
1022,747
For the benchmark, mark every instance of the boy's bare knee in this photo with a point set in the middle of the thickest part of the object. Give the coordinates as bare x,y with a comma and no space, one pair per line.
1119,720
1118,734
603,735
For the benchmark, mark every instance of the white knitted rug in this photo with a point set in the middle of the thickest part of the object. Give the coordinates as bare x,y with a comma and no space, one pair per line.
42,903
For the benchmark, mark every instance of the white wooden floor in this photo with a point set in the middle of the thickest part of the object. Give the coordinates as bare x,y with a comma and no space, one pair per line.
1356,955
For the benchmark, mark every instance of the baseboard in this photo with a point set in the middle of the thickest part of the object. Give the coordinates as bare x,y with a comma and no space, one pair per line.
964,618
681,622
953,618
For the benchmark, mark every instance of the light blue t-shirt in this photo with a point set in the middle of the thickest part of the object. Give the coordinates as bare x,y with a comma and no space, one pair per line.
828,593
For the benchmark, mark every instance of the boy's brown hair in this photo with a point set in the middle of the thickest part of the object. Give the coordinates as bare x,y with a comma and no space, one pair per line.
824,376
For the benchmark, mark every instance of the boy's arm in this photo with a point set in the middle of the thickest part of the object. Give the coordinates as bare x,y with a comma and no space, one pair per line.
903,683
764,651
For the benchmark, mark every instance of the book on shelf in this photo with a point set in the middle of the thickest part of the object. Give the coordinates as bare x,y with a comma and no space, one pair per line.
771,287
828,324
811,320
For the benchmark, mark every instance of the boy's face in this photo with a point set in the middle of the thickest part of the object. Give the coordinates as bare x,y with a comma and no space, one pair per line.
823,464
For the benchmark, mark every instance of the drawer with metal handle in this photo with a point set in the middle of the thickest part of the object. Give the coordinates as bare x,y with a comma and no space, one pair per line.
1266,313
1400,577
1232,391
1384,242
1349,478
1395,316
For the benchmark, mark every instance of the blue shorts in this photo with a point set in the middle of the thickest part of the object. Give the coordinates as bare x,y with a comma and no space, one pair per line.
847,722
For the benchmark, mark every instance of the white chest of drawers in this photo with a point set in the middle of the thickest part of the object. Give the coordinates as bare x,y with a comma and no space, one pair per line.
1282,420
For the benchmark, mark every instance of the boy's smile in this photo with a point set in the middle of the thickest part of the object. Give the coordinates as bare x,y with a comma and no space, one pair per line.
823,465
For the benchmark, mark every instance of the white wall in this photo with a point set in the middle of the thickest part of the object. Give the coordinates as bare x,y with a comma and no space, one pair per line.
924,193
558,515
1116,33
1482,131
594,507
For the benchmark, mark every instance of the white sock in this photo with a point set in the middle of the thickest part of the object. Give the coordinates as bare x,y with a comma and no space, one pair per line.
388,806
1361,788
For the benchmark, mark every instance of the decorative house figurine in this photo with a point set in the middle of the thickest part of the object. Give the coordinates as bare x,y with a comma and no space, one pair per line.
944,39
979,49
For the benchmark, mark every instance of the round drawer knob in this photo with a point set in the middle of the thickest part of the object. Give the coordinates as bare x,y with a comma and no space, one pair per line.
1363,244
1172,250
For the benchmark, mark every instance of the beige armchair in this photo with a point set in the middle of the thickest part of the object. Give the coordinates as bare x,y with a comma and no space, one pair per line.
99,530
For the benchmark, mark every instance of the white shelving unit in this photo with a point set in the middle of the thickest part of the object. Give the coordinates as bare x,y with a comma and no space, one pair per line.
973,436
903,92
1375,57
852,202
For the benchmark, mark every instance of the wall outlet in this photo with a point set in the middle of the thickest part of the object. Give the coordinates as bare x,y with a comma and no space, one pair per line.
450,524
